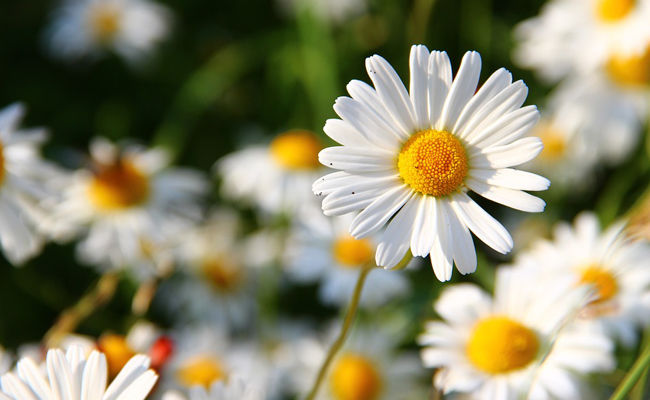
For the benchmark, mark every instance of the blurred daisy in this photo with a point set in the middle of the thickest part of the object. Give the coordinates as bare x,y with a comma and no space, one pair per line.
409,159
73,375
368,368
204,356
129,206
275,177
321,249
503,348
336,11
25,180
580,35
234,389
130,28
218,287
615,266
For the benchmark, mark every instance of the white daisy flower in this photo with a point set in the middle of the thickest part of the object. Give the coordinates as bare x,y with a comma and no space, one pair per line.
614,265
74,376
129,206
218,286
409,159
368,368
234,389
25,180
580,35
321,249
203,356
130,28
509,347
274,177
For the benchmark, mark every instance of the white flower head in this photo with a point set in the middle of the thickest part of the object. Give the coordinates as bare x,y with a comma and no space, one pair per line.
276,177
130,28
572,36
321,249
515,344
408,159
129,206
25,180
75,375
613,265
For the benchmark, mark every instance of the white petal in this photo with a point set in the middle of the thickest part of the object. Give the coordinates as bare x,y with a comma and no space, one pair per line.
366,94
441,252
134,368
511,179
58,370
482,224
30,373
357,159
379,212
363,119
509,197
439,83
462,244
343,181
394,241
94,378
515,153
344,133
392,92
339,203
424,227
418,90
505,129
17,388
140,387
462,89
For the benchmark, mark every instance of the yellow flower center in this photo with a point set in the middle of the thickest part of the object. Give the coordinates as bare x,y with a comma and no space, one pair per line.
631,71
602,280
224,276
614,10
433,162
351,252
201,371
118,186
355,378
104,21
117,351
2,163
555,144
500,345
296,150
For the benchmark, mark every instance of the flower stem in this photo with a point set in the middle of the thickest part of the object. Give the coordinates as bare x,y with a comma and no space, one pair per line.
633,375
67,322
340,340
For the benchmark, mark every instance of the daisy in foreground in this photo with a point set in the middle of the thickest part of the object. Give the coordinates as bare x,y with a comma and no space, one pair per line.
512,346
88,27
129,206
409,159
74,375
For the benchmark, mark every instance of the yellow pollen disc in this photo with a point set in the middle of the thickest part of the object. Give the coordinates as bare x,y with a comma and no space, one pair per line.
433,162
500,345
353,377
631,71
296,150
555,143
221,274
2,163
104,21
201,371
614,10
351,252
602,280
117,352
118,186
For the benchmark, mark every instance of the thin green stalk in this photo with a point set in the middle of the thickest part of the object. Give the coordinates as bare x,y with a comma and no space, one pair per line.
639,388
340,340
633,375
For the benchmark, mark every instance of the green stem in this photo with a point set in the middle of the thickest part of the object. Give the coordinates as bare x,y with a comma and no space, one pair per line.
633,375
639,388
340,340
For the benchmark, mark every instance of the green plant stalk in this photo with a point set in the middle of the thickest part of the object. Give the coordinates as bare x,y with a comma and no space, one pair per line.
639,389
345,329
633,375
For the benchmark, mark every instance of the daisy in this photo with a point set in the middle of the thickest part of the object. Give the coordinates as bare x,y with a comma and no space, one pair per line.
368,368
25,180
130,28
274,177
580,35
321,249
408,160
234,389
129,207
616,266
74,375
512,346
218,286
